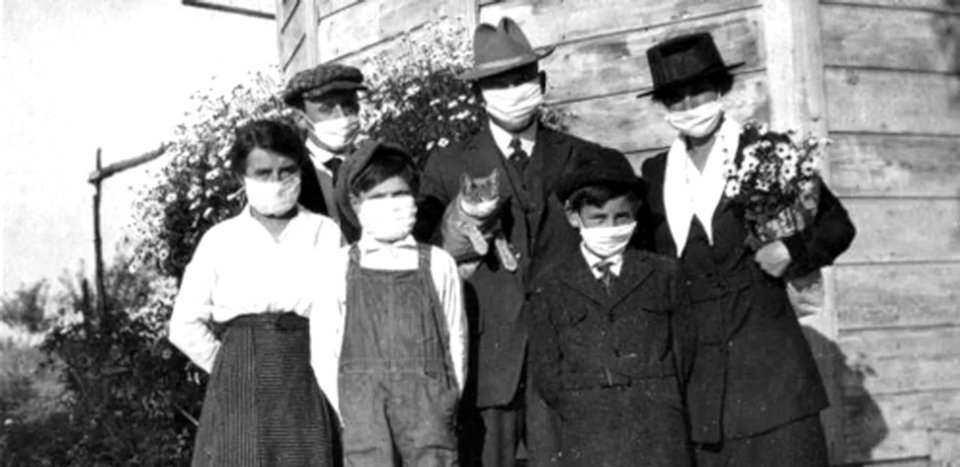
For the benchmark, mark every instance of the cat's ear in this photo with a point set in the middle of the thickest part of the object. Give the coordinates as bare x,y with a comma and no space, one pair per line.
464,180
495,176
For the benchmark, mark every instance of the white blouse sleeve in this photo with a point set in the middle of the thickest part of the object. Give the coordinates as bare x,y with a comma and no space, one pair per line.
450,291
326,327
193,307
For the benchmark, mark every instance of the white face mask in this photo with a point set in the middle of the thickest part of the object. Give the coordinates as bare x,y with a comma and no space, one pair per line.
274,197
698,121
336,134
515,105
607,241
387,219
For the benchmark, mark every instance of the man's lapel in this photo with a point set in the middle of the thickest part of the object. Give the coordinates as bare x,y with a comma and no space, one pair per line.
549,158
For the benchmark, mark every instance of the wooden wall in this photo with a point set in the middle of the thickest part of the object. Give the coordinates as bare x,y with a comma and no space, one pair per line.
893,93
880,75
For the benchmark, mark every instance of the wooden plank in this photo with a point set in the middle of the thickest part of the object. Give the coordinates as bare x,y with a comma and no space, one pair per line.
327,7
551,21
886,38
372,21
893,102
618,62
896,426
293,36
903,230
629,124
894,165
899,360
934,5
897,295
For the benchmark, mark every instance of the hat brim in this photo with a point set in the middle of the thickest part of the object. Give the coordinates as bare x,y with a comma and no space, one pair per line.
701,75
488,69
313,93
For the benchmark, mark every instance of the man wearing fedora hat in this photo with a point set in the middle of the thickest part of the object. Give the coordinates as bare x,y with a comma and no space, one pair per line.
754,393
324,99
508,80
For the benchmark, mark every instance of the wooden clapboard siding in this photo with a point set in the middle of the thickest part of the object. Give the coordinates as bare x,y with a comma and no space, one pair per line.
897,295
327,7
901,5
896,426
893,102
894,165
617,62
891,361
904,230
629,124
294,34
365,24
915,40
554,21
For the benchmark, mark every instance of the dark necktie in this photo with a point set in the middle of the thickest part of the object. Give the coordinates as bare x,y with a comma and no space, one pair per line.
605,268
333,164
517,155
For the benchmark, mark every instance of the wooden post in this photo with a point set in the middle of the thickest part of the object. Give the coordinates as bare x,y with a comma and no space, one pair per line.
469,10
98,245
795,82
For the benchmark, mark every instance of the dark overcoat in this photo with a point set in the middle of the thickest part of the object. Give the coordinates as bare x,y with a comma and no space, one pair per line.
612,364
754,370
533,221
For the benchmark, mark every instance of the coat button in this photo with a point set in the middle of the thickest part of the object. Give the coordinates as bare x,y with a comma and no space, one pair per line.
616,353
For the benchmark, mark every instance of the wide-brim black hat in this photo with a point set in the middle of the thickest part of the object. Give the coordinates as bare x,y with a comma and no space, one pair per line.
605,167
683,60
502,48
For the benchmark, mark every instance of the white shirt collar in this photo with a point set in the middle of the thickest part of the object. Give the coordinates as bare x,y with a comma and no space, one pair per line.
594,260
368,244
528,138
290,227
319,156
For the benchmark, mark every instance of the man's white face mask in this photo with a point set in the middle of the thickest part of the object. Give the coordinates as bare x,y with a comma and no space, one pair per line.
516,105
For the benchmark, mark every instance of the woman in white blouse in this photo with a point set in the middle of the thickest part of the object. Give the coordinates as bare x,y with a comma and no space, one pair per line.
255,274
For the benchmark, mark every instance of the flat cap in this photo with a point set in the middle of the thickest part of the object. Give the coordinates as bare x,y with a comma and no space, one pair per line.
604,167
322,79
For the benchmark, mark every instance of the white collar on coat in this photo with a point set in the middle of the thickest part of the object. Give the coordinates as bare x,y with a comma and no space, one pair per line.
688,192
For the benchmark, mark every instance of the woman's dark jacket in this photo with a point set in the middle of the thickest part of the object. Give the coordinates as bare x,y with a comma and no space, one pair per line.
753,369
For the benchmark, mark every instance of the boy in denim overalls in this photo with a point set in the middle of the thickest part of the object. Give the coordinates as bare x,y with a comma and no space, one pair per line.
392,346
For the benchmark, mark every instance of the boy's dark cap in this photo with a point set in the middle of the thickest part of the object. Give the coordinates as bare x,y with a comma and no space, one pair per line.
604,168
321,79
683,60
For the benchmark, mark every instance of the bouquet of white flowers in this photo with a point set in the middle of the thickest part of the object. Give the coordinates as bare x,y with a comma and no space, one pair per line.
775,178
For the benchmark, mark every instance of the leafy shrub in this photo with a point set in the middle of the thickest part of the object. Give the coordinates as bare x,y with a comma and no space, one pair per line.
26,308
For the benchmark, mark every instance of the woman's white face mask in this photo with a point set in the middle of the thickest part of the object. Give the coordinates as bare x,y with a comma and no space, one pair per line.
272,198
697,122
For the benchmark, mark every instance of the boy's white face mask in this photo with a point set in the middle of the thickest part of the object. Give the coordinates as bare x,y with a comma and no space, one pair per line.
606,241
698,121
272,198
387,219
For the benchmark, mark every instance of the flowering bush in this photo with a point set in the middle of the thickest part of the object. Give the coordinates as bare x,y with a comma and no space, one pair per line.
776,180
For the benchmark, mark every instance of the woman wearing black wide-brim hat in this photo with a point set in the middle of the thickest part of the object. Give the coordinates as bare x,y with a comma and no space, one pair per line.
754,394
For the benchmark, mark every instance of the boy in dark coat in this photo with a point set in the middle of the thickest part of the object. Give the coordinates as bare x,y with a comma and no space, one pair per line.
610,333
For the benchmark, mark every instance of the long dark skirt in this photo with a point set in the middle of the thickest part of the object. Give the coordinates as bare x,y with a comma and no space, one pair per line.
263,407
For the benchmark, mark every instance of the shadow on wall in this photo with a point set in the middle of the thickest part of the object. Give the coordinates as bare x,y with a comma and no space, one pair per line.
947,28
864,427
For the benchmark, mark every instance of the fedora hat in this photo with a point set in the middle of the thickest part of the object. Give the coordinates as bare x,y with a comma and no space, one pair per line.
501,48
684,59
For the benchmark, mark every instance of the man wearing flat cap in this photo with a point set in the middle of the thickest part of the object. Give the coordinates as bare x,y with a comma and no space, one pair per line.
325,99
530,158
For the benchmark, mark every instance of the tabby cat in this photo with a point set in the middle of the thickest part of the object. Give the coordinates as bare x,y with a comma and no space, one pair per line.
476,210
